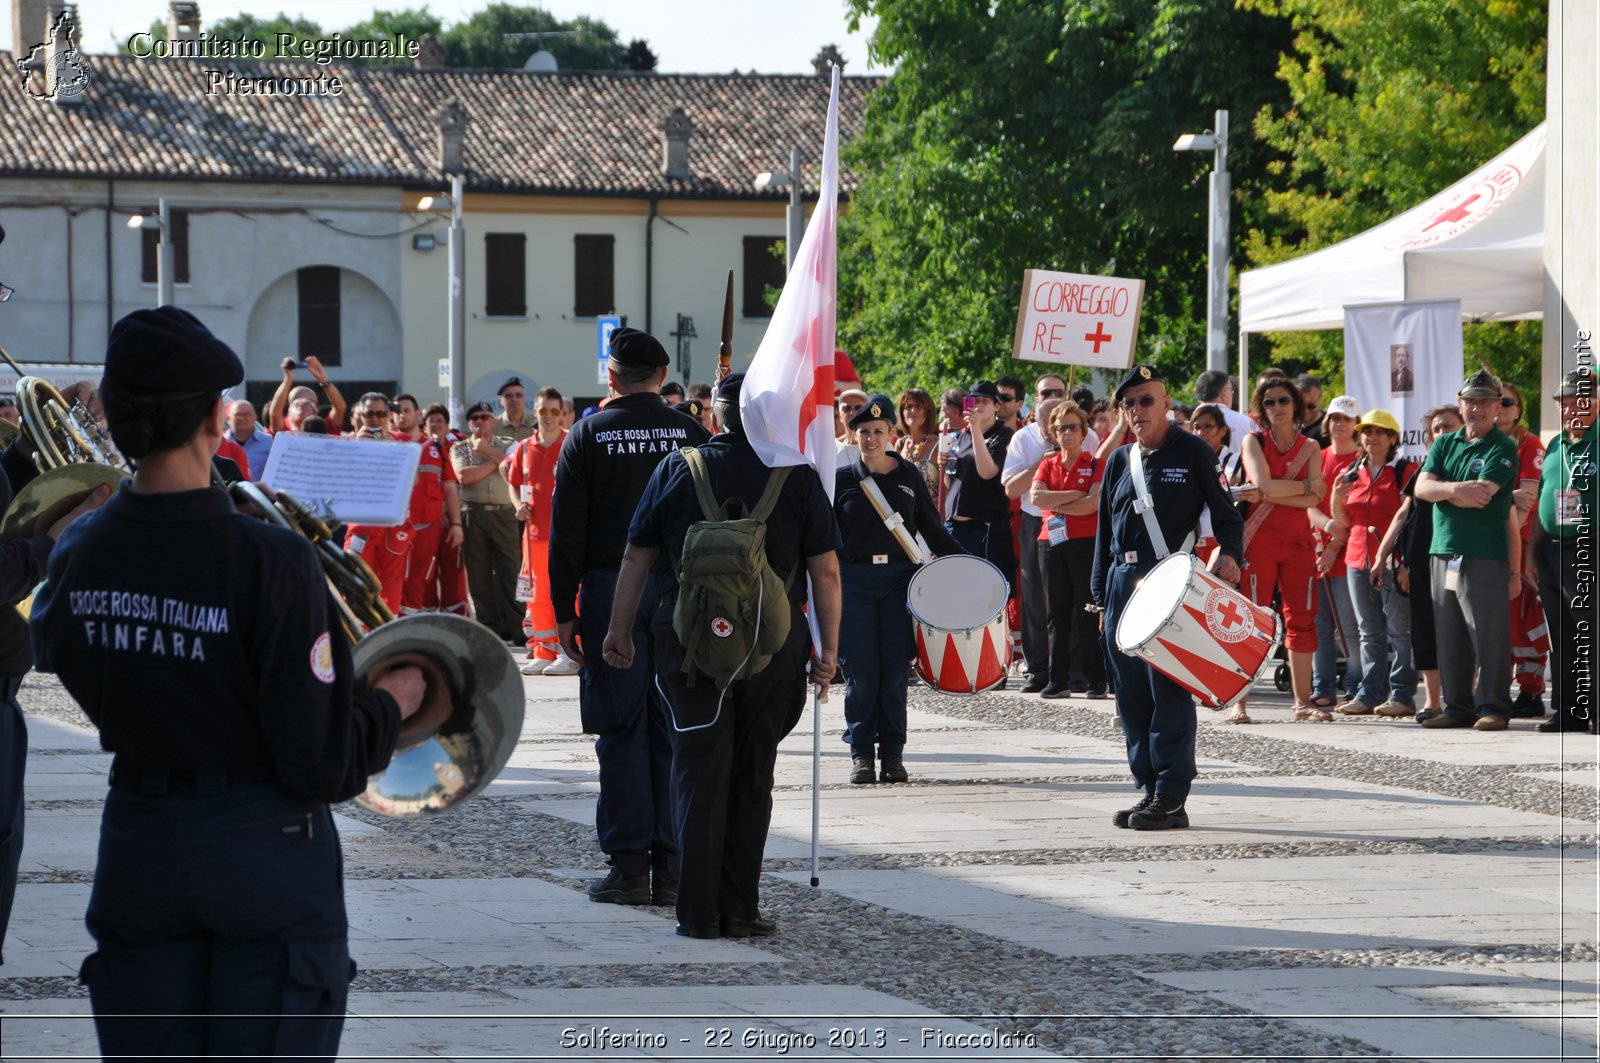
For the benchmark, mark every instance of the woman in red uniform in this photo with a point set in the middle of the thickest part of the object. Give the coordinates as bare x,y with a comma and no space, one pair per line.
1067,491
1530,638
1336,616
1279,552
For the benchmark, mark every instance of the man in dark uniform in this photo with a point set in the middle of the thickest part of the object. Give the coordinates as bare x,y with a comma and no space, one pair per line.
604,465
1158,719
22,566
199,642
725,744
975,502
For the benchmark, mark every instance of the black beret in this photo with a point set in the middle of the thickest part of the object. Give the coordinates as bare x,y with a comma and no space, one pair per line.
878,408
481,406
728,389
634,349
511,382
984,389
1139,374
167,351
693,407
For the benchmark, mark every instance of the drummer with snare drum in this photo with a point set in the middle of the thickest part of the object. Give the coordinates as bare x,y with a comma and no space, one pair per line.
876,566
1140,524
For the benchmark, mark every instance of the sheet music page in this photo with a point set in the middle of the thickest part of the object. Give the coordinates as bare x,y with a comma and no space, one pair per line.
359,481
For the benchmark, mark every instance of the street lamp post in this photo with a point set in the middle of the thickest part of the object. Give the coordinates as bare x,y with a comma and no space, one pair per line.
458,306
795,216
162,223
1215,141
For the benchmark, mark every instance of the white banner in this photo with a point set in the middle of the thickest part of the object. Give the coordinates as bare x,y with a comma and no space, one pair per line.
1405,358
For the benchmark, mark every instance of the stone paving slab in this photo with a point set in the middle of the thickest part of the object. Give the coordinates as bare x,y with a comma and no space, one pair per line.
1423,1013
1265,808
1205,906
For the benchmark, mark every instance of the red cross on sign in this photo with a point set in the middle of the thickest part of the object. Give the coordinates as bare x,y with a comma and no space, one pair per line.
1098,336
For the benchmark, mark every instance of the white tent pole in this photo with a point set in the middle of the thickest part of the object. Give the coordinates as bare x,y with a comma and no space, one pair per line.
1244,377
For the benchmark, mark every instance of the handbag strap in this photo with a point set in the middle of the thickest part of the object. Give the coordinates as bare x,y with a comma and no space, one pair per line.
1259,512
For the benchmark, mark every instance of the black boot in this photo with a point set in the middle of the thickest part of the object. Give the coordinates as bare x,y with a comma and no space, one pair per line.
893,770
862,770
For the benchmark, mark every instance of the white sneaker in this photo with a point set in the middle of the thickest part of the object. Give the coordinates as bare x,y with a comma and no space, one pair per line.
563,665
536,666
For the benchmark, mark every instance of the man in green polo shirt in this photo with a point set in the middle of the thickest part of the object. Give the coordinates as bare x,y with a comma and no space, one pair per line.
1469,476
1564,535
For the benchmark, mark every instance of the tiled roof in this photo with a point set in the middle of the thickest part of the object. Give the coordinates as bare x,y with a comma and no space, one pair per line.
576,133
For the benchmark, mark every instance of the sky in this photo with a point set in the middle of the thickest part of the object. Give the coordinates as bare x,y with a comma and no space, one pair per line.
688,36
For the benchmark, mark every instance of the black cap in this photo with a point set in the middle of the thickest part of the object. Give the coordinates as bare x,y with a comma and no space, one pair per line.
1480,385
481,406
1139,374
634,349
512,382
693,407
878,408
168,351
1579,383
728,389
984,389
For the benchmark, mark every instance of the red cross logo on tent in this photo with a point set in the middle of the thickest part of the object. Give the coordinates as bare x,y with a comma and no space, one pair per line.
721,627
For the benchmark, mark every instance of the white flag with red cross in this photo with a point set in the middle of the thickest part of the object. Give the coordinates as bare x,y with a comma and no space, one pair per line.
786,403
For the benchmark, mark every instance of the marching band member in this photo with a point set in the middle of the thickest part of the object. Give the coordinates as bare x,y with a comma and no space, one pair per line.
1181,480
874,630
199,642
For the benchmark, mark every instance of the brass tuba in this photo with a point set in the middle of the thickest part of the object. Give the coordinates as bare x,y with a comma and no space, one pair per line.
471,717
72,451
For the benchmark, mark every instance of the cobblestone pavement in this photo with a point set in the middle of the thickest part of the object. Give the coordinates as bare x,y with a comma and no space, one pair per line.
1362,889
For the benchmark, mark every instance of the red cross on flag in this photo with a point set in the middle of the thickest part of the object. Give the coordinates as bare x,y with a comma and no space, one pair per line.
786,403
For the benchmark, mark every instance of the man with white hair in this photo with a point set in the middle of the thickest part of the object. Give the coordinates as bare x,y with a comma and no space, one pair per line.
245,430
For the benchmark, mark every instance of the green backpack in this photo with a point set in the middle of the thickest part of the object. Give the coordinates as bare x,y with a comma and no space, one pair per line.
733,611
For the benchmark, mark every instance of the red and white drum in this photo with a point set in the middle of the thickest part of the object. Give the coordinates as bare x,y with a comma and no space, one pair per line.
1197,631
959,605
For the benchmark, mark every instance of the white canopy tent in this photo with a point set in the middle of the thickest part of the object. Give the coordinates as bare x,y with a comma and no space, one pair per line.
1480,240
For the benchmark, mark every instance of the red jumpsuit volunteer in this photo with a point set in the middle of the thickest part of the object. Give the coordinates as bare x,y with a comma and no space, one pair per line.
530,469
384,549
446,591
434,517
1279,552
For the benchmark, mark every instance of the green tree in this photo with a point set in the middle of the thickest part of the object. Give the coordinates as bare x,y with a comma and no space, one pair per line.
409,24
1038,133
1390,101
499,36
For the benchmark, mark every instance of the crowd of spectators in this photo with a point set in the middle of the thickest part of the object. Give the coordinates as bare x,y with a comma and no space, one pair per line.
1406,582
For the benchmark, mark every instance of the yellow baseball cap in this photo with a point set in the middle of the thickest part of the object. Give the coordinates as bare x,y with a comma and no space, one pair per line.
1378,419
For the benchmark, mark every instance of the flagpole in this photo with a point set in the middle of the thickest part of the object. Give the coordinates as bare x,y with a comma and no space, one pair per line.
816,779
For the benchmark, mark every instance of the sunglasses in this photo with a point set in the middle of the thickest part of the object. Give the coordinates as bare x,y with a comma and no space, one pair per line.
1052,393
850,407
1007,398
1064,429
1281,400
1507,401
374,413
481,417
1201,426
1144,401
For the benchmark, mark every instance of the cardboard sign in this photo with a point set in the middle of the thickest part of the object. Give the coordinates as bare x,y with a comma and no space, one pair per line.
1073,319
360,481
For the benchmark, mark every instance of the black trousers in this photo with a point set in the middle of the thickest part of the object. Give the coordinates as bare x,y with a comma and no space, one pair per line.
1075,654
220,926
724,749
1035,599
1571,615
13,760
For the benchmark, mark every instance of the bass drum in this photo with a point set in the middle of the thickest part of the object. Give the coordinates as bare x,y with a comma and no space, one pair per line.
1197,631
958,603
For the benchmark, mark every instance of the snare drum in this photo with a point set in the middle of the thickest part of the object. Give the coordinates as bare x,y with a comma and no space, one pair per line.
959,605
1197,631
